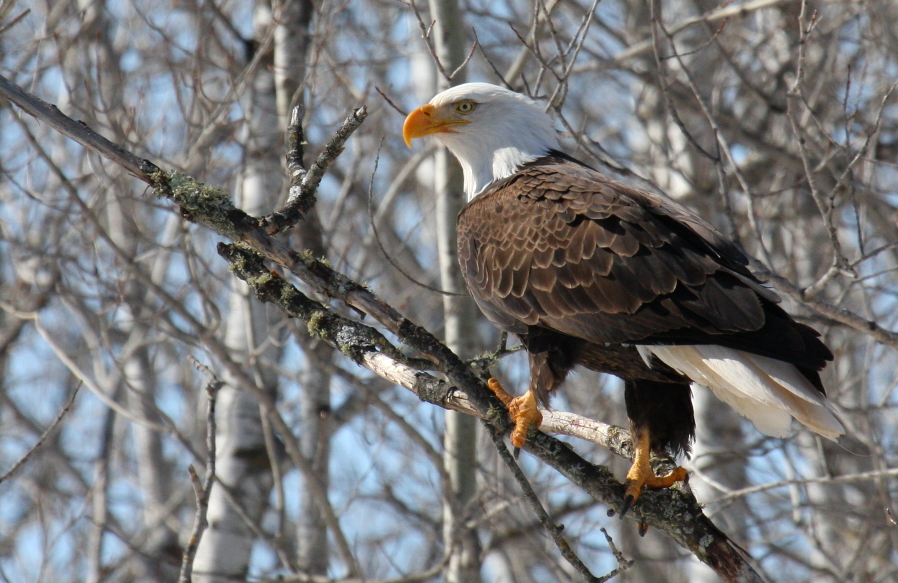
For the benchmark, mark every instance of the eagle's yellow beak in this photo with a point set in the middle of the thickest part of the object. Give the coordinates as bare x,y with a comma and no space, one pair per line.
427,120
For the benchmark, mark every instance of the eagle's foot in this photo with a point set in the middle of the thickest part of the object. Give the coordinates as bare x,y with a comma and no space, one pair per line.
641,474
637,480
523,410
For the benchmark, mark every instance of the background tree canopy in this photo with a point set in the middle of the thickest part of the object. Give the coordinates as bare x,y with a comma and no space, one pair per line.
774,119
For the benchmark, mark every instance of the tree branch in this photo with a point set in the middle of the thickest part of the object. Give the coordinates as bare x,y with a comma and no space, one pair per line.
76,130
50,429
554,530
203,490
304,183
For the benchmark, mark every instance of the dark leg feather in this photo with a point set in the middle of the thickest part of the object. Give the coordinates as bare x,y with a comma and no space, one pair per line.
551,359
665,410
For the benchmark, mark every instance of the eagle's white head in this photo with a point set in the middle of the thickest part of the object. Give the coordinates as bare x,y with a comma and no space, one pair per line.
491,130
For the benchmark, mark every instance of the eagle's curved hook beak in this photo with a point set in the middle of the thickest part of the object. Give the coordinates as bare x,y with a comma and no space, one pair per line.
428,120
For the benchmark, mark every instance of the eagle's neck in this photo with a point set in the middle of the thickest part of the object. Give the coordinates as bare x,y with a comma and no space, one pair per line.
501,146
481,171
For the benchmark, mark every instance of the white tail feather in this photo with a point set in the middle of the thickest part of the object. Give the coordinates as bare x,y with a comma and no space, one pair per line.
769,392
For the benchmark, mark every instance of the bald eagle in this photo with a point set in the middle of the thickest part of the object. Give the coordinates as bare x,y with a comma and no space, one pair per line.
589,271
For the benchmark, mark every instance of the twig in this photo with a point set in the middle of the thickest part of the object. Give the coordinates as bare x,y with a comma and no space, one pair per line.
483,362
389,197
425,34
202,490
831,311
793,97
850,269
536,506
15,20
623,563
49,430
719,140
465,62
575,45
845,479
389,101
657,24
516,68
723,11
304,183
380,244
420,577
76,130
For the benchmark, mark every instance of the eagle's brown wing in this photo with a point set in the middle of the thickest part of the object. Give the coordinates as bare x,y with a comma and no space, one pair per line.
561,246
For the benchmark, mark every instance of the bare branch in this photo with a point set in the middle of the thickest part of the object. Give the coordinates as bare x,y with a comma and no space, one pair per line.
623,563
76,130
303,182
824,308
722,12
425,35
47,432
554,530
794,98
202,490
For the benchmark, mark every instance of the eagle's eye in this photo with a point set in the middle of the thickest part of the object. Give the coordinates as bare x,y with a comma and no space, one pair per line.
465,107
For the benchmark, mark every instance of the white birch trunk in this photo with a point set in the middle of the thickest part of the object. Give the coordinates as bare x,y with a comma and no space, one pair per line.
291,40
136,380
460,438
243,461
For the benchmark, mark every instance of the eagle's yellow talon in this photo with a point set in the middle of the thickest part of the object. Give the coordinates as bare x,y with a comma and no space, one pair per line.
523,410
641,474
500,392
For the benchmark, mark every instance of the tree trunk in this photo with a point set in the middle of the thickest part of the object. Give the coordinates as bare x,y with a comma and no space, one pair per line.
291,44
244,462
460,438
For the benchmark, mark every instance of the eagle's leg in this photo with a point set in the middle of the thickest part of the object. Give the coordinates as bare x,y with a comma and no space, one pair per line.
661,420
524,411
641,474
